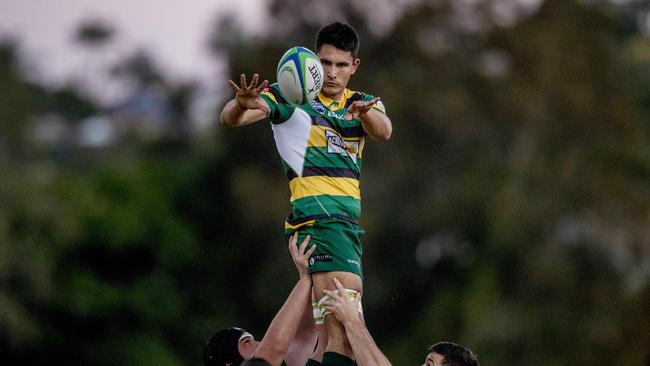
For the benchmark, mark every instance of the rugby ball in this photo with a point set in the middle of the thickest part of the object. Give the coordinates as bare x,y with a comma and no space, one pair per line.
300,75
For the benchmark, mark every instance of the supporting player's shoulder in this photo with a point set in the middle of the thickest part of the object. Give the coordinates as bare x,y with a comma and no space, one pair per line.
352,96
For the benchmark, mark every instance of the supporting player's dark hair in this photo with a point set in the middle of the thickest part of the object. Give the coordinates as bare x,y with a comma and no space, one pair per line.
454,354
339,35
256,361
223,348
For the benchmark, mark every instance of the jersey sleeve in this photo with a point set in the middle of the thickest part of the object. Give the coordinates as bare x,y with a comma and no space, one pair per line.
281,109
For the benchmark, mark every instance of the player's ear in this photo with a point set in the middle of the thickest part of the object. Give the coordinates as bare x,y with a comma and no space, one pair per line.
355,64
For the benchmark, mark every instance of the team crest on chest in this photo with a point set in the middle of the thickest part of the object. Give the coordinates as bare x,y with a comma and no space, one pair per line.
318,106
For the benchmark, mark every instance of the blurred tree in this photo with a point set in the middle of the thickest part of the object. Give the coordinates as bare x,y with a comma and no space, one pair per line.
94,33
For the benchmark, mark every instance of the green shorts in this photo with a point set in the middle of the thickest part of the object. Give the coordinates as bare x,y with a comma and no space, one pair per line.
338,243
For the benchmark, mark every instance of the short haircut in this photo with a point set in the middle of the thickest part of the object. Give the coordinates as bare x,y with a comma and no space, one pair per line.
339,35
454,354
223,348
256,361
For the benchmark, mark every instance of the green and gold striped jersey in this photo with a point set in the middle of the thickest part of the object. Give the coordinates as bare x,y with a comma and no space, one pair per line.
321,152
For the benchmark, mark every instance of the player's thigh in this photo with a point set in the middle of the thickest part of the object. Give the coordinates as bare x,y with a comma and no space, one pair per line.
325,280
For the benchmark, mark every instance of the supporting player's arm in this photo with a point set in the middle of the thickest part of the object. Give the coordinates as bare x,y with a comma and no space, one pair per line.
247,106
303,343
275,344
376,124
366,352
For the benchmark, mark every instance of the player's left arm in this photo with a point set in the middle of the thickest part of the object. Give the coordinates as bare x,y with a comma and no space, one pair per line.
276,341
376,123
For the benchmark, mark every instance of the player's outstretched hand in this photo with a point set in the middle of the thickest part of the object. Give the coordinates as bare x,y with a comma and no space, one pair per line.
344,309
359,107
299,255
248,95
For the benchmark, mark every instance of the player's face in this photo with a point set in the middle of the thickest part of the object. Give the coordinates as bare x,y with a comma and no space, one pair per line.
338,66
247,347
433,359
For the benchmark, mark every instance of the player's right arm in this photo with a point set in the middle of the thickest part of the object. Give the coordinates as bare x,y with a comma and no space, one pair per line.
366,352
247,107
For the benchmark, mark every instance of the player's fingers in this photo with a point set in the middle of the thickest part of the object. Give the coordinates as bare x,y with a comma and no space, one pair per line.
303,245
262,86
306,240
233,85
311,250
293,240
333,294
256,78
242,81
338,285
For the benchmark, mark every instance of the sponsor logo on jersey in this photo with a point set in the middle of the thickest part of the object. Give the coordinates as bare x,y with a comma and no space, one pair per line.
336,145
320,108
319,258
352,261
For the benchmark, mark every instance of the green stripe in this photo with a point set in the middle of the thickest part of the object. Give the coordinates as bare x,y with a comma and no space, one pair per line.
318,156
339,205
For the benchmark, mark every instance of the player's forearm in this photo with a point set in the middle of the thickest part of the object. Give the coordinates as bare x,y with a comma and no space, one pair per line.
365,349
377,125
275,343
304,341
234,115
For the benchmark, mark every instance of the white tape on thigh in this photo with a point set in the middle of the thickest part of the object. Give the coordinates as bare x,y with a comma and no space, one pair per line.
352,294
319,318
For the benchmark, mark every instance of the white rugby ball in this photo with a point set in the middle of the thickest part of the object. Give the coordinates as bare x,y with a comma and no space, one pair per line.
300,75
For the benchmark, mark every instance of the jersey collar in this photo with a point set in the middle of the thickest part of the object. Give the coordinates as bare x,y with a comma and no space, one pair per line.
335,105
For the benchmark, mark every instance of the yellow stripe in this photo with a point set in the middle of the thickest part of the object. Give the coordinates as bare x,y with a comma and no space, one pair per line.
295,227
318,185
317,137
379,108
347,94
270,96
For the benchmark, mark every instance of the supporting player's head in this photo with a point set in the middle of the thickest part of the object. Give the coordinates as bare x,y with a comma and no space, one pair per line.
337,45
229,347
450,354
340,35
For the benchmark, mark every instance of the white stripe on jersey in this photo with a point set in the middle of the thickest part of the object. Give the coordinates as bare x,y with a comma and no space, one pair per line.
291,138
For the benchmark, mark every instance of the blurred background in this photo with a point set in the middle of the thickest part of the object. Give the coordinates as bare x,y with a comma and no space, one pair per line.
510,211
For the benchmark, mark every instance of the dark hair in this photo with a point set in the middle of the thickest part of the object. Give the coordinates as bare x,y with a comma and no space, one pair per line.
454,354
339,35
223,348
256,361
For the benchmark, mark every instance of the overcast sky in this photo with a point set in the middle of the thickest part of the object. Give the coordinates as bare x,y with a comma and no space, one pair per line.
173,32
